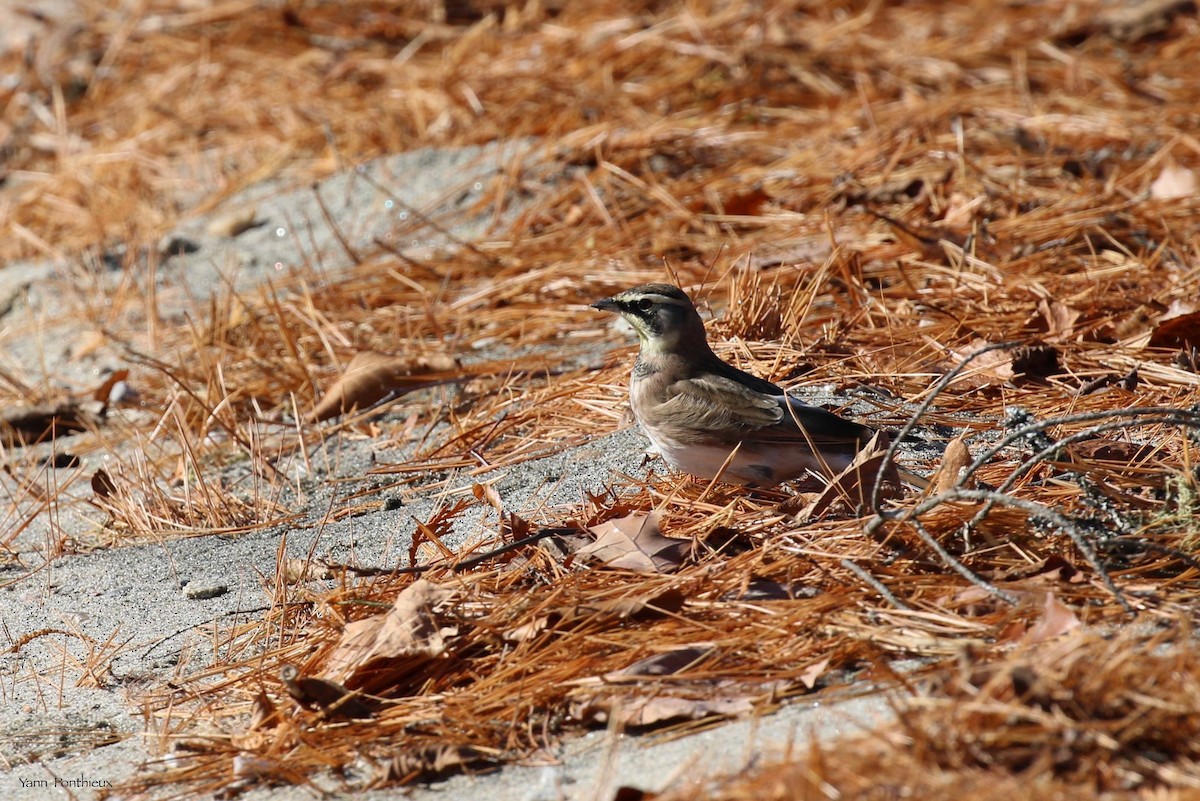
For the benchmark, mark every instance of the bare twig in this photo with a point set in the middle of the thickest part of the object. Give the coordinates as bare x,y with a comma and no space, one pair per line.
873,583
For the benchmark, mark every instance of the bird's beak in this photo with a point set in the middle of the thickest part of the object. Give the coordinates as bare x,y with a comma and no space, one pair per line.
608,304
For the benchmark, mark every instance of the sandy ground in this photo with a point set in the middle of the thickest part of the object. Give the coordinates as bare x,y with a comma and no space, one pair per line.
153,599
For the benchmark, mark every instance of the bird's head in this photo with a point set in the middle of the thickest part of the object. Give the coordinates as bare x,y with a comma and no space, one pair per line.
662,315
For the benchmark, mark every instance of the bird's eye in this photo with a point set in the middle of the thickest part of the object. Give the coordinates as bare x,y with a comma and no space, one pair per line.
645,304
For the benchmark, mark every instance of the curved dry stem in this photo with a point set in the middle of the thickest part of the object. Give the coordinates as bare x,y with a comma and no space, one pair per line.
1036,510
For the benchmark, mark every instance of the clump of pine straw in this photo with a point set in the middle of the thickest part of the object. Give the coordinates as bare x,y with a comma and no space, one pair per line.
1085,716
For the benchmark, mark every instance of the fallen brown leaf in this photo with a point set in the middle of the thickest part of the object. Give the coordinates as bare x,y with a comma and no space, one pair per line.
1178,332
630,608
954,460
634,543
380,651
853,487
1057,619
264,714
813,673
371,376
643,711
529,630
668,663
1057,319
987,369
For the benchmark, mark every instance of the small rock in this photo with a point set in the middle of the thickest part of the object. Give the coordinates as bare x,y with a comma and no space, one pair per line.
204,593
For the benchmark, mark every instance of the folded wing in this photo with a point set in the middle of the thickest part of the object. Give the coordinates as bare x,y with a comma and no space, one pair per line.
712,403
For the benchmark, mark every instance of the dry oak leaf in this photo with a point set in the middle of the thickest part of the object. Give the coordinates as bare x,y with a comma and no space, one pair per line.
634,543
813,673
1177,332
1057,619
380,651
644,710
645,605
668,663
986,369
854,486
1057,319
956,458
372,376
1113,451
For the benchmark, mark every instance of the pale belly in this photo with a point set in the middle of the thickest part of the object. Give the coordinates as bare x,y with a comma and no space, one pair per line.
706,461
748,465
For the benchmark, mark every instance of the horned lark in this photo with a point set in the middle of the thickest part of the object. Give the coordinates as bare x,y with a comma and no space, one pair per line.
703,414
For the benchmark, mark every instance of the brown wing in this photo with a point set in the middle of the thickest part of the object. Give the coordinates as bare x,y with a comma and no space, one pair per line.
729,411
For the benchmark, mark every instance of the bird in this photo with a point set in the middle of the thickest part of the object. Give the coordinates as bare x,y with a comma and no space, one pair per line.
707,417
